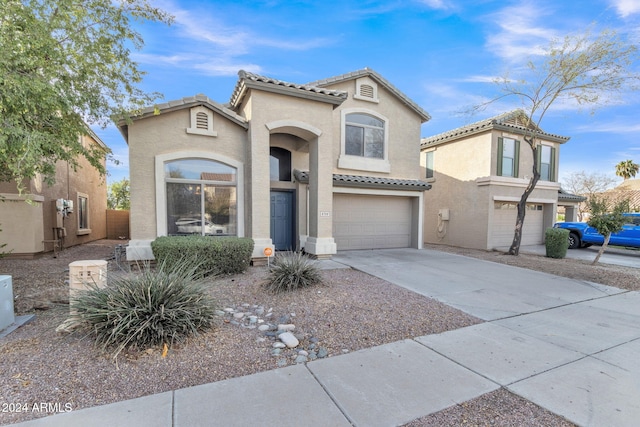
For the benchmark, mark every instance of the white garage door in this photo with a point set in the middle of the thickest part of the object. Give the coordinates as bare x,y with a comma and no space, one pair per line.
371,222
504,222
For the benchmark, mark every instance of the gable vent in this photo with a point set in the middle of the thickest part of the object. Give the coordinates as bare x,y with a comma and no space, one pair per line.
366,91
202,121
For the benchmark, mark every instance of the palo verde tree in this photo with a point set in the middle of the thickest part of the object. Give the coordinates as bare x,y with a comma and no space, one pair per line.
586,70
65,64
606,221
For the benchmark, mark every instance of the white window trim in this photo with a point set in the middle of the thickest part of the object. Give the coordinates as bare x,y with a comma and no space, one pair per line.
83,231
363,163
194,128
161,194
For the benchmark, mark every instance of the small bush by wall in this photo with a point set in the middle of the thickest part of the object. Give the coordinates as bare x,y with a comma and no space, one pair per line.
556,241
217,255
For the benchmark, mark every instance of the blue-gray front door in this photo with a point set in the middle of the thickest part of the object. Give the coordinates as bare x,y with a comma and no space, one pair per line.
282,223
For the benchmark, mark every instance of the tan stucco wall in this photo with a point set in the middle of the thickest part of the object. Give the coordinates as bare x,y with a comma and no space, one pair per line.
21,225
403,132
32,224
311,121
165,134
465,183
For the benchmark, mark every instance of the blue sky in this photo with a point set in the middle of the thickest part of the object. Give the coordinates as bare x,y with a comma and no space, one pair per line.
443,54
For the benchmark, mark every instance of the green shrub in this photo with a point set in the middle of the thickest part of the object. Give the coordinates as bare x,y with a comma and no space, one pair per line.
291,271
220,255
157,306
556,241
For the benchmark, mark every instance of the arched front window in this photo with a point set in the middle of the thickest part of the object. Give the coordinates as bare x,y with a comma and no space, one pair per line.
279,164
201,198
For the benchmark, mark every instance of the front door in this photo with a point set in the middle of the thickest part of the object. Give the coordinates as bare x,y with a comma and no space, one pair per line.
282,223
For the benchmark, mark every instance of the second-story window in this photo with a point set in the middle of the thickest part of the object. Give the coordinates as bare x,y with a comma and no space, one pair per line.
508,157
546,160
429,163
364,136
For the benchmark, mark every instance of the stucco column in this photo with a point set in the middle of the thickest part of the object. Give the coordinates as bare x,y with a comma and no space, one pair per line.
320,241
258,182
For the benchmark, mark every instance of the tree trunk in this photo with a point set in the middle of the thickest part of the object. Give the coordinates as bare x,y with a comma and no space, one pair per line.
602,248
514,249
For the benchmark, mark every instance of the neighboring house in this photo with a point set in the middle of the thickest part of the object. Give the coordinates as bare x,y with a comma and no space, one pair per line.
628,190
479,173
324,166
32,223
570,205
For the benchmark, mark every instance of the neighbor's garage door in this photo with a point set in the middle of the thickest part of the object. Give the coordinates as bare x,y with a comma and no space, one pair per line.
371,222
504,217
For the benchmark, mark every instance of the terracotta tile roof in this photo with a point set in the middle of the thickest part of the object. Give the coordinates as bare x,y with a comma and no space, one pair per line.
368,72
615,196
246,79
179,104
510,121
564,196
341,180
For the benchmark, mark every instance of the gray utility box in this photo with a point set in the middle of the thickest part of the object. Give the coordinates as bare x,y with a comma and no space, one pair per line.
7,317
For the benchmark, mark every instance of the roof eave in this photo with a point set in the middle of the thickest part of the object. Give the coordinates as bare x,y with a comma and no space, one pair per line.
283,90
337,183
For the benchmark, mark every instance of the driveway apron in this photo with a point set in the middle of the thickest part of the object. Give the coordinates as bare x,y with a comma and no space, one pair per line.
567,345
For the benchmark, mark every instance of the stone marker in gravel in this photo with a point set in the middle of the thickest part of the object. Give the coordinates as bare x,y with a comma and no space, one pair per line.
289,339
287,328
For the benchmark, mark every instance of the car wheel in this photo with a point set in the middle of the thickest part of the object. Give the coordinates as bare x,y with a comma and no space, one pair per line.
574,240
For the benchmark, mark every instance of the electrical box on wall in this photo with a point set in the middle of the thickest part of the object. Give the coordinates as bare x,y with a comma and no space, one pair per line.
63,208
443,214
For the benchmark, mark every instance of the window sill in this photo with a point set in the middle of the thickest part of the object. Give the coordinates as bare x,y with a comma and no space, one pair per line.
83,232
193,131
364,164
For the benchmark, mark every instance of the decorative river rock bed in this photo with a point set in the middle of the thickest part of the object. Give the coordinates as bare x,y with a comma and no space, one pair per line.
287,344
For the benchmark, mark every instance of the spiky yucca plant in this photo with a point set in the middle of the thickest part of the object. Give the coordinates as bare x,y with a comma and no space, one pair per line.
154,307
291,271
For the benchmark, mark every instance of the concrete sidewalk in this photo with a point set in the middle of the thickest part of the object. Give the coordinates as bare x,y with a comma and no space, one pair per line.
567,345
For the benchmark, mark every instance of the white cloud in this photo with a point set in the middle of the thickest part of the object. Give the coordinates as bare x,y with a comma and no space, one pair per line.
437,4
626,7
518,34
202,40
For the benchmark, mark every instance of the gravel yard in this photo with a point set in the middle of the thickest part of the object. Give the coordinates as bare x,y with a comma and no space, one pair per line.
351,311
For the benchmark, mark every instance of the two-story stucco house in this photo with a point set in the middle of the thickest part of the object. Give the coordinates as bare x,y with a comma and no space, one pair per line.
46,218
324,166
479,173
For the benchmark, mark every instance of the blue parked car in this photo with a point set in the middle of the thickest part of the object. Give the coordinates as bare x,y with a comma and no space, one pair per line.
581,235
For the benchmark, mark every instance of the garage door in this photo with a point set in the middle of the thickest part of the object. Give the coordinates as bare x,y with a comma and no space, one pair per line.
371,222
504,217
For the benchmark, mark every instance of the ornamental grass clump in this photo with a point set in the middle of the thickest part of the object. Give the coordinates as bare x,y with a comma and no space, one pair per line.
157,306
291,271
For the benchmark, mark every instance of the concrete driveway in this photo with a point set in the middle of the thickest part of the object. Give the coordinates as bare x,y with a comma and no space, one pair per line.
567,345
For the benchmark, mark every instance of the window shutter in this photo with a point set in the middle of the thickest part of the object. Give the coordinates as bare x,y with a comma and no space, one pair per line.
539,158
552,166
499,163
516,158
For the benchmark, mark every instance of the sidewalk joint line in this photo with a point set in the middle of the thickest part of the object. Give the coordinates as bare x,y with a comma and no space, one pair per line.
335,402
